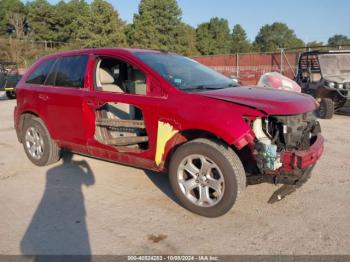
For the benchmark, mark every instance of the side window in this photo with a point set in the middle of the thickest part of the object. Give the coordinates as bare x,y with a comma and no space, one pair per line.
69,71
114,75
39,75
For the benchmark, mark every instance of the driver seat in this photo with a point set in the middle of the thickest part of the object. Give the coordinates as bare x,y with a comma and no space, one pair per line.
315,77
106,82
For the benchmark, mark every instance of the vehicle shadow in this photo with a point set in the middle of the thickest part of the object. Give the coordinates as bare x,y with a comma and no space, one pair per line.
161,180
58,226
277,195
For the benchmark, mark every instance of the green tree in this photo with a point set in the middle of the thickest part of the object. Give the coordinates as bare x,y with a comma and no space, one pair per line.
240,43
143,31
12,12
99,26
214,37
278,35
66,14
338,40
157,25
187,41
42,18
205,41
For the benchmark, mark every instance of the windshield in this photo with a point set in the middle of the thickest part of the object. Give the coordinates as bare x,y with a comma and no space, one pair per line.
335,64
185,73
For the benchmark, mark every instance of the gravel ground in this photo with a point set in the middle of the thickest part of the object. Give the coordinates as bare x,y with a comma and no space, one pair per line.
90,206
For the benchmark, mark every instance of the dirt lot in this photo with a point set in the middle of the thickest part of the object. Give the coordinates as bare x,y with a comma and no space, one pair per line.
91,206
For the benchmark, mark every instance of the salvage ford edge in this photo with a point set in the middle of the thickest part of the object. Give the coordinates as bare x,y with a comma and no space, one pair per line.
168,113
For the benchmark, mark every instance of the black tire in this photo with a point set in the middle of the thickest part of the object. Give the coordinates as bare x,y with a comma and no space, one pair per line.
51,152
326,110
11,94
228,162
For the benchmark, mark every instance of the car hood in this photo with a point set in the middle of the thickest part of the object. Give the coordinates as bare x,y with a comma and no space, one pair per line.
341,79
271,101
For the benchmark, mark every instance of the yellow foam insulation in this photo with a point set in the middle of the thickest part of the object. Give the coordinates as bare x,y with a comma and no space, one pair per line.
165,132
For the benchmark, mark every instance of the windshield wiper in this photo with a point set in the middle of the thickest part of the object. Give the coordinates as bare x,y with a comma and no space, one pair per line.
197,88
201,87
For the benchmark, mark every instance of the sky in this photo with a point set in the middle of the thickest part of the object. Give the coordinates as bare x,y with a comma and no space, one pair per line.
312,20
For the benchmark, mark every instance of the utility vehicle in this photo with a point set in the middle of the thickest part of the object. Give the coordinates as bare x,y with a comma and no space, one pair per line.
9,78
326,76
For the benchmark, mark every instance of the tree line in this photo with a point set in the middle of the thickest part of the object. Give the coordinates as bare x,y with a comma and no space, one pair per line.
157,24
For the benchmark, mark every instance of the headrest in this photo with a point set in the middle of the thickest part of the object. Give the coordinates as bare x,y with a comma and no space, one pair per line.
106,77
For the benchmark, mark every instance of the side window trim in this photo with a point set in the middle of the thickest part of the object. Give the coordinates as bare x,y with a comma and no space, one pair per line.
49,73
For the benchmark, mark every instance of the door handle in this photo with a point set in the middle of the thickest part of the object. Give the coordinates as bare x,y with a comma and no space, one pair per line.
94,104
90,103
43,97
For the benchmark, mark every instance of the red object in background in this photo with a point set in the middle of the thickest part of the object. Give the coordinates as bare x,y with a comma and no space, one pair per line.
277,81
70,113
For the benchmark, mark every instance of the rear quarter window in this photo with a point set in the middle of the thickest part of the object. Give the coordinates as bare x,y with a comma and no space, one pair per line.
69,71
39,75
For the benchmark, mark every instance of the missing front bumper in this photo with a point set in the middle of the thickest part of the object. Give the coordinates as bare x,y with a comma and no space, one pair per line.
296,165
302,159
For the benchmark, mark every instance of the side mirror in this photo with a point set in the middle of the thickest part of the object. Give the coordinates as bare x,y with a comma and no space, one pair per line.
235,80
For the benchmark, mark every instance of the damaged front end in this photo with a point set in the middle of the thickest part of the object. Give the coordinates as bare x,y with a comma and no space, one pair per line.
287,147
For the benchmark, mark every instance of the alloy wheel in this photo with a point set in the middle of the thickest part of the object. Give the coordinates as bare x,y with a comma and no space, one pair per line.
201,180
34,143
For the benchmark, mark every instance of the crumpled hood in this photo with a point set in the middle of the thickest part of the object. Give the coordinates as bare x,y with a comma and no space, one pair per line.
271,101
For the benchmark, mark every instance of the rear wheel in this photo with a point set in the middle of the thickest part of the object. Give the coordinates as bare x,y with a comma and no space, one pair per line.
38,145
326,109
206,176
11,94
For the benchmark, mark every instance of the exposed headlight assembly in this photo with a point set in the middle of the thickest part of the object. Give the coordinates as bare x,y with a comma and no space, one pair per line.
340,86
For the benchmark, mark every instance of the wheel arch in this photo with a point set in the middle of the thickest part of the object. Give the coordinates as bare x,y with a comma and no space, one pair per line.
323,92
24,116
185,136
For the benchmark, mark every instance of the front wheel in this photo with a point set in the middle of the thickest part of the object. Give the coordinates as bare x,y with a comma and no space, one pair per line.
326,110
207,177
37,143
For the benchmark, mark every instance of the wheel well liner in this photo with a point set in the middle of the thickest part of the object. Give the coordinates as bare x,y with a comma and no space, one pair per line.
24,116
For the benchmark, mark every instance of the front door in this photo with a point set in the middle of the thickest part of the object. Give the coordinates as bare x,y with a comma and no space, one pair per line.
126,114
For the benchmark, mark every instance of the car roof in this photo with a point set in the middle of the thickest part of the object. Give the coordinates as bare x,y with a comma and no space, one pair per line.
105,50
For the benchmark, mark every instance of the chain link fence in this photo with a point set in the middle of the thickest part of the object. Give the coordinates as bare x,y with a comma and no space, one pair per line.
250,66
25,51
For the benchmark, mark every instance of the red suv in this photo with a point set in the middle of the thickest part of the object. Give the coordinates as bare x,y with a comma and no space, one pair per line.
161,111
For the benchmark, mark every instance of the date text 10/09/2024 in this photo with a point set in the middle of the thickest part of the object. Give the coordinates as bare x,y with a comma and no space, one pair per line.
173,258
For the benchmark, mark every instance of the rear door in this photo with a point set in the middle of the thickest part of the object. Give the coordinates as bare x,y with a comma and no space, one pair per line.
63,96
